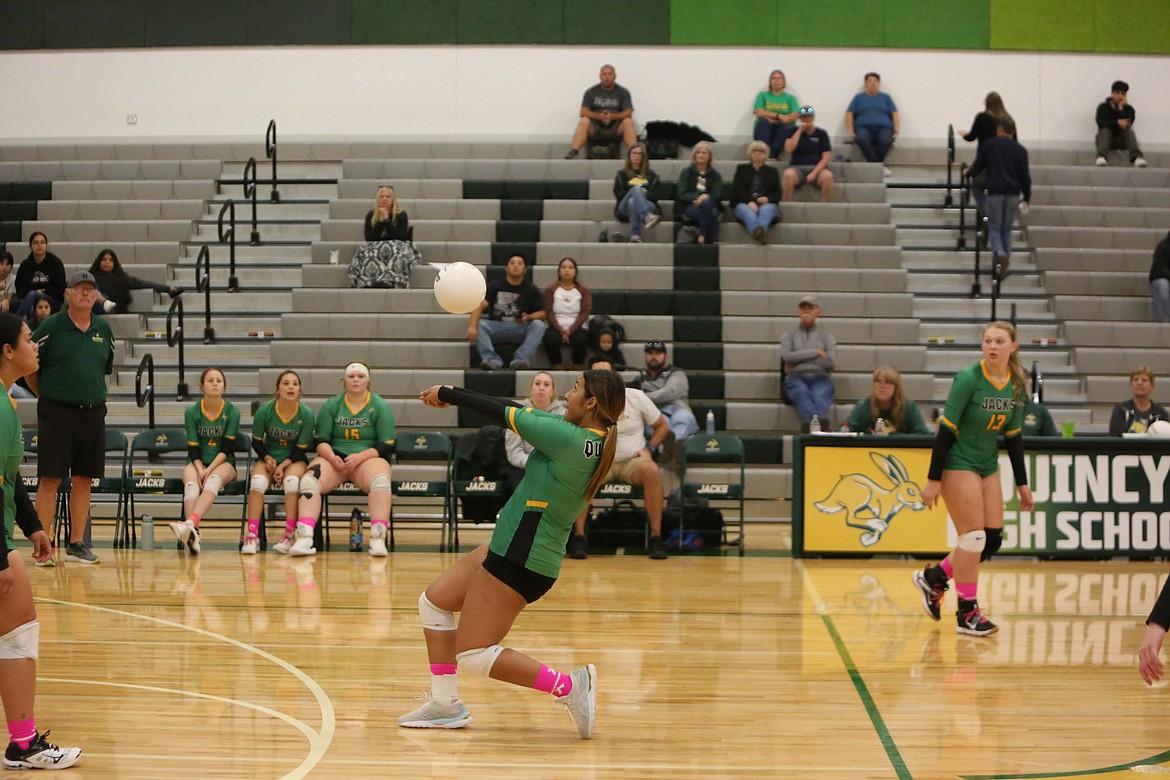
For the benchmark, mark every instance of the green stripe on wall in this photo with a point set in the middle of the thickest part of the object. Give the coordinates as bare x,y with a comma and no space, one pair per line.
614,22
728,23
379,21
1132,26
1042,25
956,24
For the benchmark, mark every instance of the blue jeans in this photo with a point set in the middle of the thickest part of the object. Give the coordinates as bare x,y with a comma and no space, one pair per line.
1160,294
681,420
753,219
526,334
810,394
1001,216
979,191
773,135
874,142
706,216
635,205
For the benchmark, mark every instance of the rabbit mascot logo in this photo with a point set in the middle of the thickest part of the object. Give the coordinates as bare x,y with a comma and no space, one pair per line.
869,506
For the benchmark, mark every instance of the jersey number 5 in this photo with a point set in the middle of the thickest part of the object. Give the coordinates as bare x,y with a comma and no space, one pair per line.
996,422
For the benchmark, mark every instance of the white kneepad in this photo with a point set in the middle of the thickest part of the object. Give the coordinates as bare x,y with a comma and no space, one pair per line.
21,642
259,483
380,483
212,484
973,541
291,485
310,486
190,491
434,618
479,660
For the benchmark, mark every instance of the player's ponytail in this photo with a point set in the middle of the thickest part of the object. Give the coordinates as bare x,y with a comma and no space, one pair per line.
609,390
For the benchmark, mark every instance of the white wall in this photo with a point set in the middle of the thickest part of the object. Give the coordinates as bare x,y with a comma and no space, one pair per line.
534,90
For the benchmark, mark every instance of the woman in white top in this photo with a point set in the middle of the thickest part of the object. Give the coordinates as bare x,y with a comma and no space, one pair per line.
569,304
542,395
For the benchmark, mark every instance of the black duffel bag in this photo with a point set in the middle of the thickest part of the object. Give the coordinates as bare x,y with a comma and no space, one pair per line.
621,525
705,521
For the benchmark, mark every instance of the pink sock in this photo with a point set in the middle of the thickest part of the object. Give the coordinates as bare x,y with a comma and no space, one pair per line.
22,732
377,521
552,681
309,521
444,683
444,668
966,590
194,519
947,567
253,526
290,524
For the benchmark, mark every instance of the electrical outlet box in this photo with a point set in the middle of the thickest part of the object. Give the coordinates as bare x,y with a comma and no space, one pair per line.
132,119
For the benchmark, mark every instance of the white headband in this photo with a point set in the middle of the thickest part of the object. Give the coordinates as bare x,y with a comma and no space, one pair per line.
358,367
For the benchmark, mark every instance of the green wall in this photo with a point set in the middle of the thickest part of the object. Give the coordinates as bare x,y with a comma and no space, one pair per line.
1114,26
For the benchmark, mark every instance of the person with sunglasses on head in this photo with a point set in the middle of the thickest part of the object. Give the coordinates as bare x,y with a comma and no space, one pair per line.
810,152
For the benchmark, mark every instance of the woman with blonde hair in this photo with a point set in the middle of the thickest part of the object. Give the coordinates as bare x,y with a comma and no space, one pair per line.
387,221
888,406
388,256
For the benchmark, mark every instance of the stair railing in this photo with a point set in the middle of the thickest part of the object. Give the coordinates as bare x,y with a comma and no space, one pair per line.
144,396
175,338
203,285
228,234
948,201
1037,382
270,151
250,192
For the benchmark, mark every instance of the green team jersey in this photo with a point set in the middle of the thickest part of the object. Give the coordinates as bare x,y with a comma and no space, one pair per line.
535,523
349,430
11,453
283,437
978,412
212,435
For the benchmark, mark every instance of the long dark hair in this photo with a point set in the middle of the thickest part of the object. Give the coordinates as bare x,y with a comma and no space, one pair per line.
10,327
610,391
121,283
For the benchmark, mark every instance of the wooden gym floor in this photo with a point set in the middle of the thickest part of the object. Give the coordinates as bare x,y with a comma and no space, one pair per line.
710,666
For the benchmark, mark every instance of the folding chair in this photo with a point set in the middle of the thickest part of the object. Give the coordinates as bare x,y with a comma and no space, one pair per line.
713,469
153,452
482,494
425,456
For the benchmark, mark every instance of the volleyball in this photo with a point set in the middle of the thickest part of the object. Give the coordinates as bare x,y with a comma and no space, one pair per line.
1159,429
460,287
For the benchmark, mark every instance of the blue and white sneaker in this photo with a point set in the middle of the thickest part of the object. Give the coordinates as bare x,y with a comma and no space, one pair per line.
433,715
581,702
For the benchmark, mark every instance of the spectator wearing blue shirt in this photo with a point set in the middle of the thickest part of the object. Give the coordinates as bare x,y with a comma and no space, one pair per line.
808,163
872,121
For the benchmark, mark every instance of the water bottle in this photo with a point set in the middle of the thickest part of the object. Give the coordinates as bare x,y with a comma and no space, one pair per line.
355,530
710,422
879,427
146,539
814,425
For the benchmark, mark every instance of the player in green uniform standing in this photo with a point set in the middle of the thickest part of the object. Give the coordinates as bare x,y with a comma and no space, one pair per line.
491,585
986,401
212,426
282,430
19,630
355,434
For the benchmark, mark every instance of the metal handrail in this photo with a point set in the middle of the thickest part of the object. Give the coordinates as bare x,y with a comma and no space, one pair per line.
948,201
250,192
142,397
175,337
964,199
270,151
1037,382
229,235
203,285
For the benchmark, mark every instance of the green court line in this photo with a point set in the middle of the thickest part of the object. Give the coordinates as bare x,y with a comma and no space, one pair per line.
1083,773
859,685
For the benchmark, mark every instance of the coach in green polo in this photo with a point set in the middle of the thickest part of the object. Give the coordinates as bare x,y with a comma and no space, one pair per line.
77,352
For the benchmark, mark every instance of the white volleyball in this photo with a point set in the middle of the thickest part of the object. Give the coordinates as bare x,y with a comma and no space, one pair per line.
460,287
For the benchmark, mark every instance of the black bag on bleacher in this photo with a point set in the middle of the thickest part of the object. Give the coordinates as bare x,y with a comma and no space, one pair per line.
622,525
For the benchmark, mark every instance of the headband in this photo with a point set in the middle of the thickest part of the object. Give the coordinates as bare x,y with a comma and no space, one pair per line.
359,367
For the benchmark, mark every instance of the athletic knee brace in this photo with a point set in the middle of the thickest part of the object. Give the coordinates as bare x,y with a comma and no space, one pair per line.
479,660
973,541
190,491
212,484
434,618
259,483
291,485
309,486
380,483
994,541
21,642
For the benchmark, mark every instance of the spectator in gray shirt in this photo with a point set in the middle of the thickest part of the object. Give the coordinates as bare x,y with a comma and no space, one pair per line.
667,386
809,355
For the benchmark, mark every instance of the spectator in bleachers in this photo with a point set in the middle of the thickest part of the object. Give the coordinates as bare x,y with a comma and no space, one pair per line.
1136,414
755,193
888,405
42,309
635,187
212,424
872,121
567,304
776,111
356,432
42,271
984,128
809,355
515,315
1037,419
607,112
668,387
609,348
1009,189
542,395
700,189
282,431
7,281
1115,118
810,152
114,284
1160,280
632,463
388,256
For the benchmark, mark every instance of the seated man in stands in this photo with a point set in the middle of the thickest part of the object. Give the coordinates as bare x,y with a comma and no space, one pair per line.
1115,117
755,192
1136,414
667,386
607,112
808,163
809,355
514,309
632,463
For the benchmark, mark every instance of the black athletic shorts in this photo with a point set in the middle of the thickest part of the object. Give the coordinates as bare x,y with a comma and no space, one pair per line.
527,583
71,440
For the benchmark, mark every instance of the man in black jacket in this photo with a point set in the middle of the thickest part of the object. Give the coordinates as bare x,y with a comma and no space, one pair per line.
1115,126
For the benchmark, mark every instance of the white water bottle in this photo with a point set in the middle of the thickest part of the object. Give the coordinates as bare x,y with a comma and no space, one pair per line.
879,427
146,538
814,425
710,422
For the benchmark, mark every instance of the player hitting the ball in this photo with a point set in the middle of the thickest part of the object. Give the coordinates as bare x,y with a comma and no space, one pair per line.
491,585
